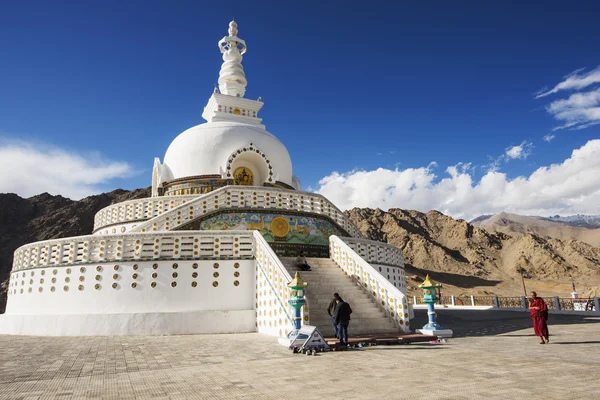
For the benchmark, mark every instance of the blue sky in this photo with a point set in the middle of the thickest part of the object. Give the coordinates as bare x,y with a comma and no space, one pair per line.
393,85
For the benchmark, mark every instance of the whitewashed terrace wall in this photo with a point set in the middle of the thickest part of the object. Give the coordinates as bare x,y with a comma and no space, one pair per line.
235,197
153,272
136,210
164,286
391,299
273,313
178,245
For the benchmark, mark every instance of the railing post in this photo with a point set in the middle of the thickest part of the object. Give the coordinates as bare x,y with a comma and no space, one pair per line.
496,302
597,304
473,301
524,302
453,300
557,302
415,300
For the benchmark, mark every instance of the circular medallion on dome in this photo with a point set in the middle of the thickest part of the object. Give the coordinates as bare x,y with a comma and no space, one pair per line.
280,226
243,176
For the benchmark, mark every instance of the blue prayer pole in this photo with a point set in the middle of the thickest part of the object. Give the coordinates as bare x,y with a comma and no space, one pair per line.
297,300
297,318
431,315
430,289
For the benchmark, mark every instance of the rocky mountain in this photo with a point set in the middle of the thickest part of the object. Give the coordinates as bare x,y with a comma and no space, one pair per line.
584,221
44,217
517,225
472,260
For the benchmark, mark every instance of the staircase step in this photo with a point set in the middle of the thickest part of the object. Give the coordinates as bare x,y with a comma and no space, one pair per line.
326,278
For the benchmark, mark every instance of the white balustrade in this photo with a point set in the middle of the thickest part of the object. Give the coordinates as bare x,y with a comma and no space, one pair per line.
391,299
135,246
273,313
235,197
376,252
137,210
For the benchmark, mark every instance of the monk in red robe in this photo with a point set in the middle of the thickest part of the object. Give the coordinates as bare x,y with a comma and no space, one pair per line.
539,315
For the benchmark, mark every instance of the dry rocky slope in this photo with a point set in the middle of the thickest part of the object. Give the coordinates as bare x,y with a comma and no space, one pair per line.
517,225
467,259
471,260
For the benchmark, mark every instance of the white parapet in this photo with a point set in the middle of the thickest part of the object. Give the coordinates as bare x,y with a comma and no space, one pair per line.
273,312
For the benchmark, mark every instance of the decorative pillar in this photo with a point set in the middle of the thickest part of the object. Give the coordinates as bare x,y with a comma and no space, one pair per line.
524,302
557,302
432,328
297,299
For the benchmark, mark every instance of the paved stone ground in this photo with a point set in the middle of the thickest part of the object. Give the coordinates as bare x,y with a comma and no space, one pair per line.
495,356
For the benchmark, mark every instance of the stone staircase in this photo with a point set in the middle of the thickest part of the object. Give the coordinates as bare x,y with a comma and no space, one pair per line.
327,278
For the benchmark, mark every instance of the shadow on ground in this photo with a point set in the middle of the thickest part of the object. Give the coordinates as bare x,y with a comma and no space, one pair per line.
466,323
461,281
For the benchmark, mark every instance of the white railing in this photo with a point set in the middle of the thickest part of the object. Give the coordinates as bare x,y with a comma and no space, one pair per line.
391,299
135,246
137,210
273,313
234,197
376,252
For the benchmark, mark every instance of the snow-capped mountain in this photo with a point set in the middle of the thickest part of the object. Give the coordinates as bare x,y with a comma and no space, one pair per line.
584,221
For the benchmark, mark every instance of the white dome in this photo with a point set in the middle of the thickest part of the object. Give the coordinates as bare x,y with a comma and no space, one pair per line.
207,148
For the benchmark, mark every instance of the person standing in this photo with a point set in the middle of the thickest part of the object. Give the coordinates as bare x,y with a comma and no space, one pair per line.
342,320
331,312
539,315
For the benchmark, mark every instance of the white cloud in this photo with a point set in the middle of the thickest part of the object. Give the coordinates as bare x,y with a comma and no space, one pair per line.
574,81
569,187
32,168
519,152
580,110
548,138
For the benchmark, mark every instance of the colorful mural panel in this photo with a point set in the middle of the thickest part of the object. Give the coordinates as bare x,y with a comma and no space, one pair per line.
275,228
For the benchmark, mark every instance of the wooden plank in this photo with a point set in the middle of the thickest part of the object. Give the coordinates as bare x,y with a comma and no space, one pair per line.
383,339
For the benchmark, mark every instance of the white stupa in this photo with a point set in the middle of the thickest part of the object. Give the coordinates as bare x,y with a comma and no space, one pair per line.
212,250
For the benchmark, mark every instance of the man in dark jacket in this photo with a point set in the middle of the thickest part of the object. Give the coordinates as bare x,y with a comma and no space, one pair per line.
331,312
342,319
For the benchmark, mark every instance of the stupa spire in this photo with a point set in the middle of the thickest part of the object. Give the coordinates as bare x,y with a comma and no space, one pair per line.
232,80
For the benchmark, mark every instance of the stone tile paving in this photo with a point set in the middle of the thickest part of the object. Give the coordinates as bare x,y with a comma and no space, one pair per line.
504,363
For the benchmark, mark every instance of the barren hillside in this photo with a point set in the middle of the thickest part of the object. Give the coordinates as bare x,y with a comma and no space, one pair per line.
517,225
472,260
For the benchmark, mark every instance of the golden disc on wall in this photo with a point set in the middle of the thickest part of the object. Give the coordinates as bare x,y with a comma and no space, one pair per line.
280,226
243,176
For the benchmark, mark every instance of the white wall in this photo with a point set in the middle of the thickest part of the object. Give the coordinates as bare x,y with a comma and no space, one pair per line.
30,291
395,275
